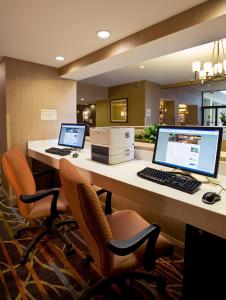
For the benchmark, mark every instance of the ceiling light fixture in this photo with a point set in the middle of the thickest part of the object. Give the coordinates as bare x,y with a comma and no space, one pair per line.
216,69
59,58
103,34
82,99
141,67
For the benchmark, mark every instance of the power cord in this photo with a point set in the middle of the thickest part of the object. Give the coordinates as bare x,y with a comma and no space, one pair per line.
217,184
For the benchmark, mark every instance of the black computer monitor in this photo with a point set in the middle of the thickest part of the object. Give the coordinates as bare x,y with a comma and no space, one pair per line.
193,149
72,135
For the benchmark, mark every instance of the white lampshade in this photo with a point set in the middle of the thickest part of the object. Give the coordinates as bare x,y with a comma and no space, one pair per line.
225,65
207,67
218,68
210,73
196,66
202,74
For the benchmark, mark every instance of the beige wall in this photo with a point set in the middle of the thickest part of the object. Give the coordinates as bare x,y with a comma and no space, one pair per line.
91,92
29,88
135,92
3,140
152,101
103,113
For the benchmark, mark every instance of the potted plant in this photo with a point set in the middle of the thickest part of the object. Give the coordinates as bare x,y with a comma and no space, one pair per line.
148,135
223,118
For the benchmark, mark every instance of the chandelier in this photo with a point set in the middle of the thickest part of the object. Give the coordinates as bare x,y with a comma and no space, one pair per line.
214,69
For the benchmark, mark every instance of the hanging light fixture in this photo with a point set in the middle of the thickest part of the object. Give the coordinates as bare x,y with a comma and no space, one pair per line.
216,69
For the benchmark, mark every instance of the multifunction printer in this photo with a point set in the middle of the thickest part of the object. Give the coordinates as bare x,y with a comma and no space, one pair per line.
112,145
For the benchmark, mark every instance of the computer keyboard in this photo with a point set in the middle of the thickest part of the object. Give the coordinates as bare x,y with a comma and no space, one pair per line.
177,181
58,151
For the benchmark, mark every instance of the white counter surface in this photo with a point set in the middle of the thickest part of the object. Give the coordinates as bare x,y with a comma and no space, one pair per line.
122,179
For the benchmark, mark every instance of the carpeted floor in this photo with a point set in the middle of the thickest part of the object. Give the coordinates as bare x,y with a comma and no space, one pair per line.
49,274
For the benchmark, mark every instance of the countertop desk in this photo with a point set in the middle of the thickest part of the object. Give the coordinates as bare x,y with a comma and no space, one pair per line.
205,241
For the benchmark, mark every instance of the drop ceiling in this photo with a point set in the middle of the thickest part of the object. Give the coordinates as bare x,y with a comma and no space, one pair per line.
37,31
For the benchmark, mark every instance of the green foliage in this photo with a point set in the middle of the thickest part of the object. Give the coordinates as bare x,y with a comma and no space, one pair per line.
223,118
149,134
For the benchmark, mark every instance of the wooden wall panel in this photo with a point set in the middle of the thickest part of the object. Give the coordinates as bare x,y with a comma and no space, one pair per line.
29,88
3,140
3,136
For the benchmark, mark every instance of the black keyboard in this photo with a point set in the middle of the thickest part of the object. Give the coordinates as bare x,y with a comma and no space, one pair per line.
58,151
177,181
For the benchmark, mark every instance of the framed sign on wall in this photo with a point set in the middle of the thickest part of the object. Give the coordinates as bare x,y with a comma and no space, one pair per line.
119,110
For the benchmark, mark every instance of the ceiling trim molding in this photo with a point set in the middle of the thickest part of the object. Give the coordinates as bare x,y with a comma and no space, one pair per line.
187,83
198,14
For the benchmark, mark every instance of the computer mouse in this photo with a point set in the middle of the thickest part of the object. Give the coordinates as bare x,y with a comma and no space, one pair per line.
74,155
211,197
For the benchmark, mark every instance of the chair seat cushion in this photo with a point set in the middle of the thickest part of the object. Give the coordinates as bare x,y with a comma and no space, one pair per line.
127,223
42,207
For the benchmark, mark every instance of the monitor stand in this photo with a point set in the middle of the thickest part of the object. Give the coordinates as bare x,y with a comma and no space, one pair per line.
192,175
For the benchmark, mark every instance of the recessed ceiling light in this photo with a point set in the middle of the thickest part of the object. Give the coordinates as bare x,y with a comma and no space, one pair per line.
82,99
141,67
59,58
103,34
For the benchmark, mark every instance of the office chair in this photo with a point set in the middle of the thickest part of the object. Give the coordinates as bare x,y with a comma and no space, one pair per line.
34,204
118,242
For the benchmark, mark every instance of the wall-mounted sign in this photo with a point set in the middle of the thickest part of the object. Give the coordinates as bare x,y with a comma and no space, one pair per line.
48,114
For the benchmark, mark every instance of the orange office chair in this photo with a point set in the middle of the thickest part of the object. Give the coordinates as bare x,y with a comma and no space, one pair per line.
32,204
118,242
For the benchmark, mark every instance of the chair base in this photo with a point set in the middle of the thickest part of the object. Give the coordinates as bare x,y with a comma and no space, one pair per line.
48,229
103,285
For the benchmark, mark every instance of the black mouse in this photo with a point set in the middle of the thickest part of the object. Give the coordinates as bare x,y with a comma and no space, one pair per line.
75,155
211,197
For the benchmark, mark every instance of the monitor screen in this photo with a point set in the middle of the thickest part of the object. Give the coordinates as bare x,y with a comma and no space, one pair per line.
72,135
193,149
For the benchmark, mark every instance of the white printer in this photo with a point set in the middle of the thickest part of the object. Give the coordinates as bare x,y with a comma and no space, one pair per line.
112,145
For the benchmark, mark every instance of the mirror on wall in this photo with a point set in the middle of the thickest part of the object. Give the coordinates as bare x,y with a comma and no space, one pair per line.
119,110
86,114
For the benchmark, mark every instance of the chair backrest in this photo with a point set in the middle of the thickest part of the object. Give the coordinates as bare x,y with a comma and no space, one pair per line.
19,176
87,210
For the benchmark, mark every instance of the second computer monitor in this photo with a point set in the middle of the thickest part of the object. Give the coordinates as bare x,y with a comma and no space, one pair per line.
194,149
72,135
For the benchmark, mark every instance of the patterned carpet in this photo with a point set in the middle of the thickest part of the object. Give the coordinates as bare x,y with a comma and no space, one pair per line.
50,275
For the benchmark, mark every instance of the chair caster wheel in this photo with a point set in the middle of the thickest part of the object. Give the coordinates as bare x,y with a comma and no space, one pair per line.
23,260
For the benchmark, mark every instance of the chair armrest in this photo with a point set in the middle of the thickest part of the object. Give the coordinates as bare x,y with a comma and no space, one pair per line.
40,195
107,209
124,247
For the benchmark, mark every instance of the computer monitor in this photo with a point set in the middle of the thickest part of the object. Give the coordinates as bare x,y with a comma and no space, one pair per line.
193,149
72,135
